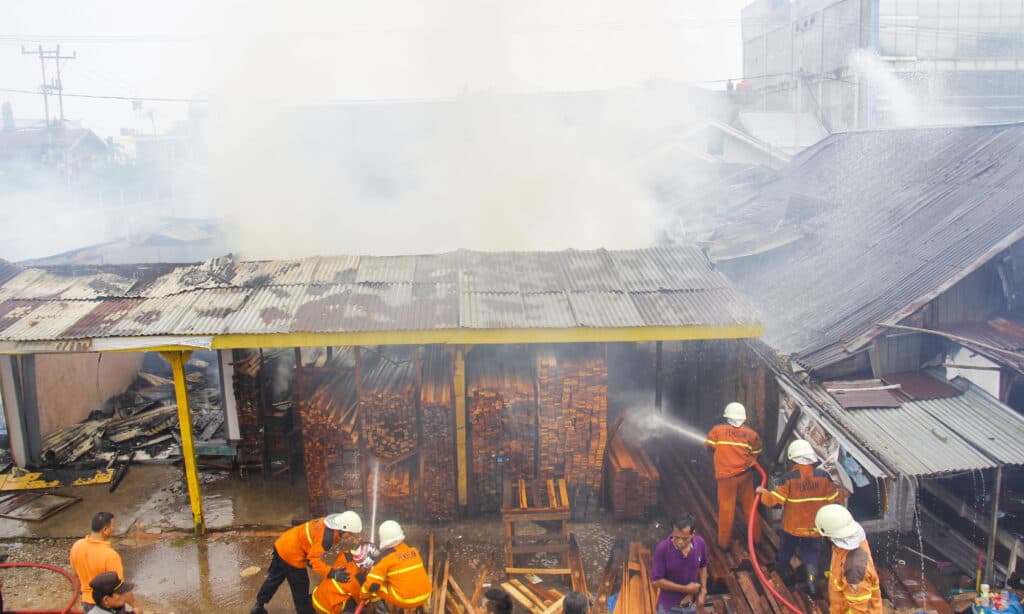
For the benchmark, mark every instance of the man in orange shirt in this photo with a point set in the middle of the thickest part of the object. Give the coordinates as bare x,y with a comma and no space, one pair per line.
801,493
93,555
301,546
735,448
399,577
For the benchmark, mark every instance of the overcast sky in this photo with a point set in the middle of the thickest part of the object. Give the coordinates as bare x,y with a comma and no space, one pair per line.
314,52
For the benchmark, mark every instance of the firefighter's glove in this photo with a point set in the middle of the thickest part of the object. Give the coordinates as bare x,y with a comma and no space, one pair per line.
361,577
339,575
373,588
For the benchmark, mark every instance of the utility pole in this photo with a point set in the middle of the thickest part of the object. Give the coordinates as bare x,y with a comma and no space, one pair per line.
57,86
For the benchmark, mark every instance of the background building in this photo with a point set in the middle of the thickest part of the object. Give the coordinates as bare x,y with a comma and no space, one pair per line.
871,63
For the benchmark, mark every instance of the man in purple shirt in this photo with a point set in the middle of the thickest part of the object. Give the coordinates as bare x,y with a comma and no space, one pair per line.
680,567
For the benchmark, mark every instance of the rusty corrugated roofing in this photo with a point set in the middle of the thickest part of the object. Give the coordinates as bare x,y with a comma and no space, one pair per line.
664,286
931,437
899,217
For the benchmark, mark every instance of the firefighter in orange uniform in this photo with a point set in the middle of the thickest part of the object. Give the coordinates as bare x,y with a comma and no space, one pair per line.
344,580
399,577
853,581
301,546
735,448
802,492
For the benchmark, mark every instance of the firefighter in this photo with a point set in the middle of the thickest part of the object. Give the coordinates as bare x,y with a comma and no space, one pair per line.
801,493
399,577
735,448
302,546
853,581
344,580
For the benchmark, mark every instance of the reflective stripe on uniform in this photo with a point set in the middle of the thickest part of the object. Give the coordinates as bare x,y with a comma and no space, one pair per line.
399,598
732,443
317,605
395,572
308,536
865,597
831,497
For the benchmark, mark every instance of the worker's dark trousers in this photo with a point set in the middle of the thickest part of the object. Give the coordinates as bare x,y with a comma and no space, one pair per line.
298,582
810,552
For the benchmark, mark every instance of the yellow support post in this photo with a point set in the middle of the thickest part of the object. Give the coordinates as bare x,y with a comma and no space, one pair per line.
188,453
459,385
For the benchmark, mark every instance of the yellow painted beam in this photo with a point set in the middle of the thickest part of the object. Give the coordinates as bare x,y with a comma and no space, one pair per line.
467,336
459,385
188,451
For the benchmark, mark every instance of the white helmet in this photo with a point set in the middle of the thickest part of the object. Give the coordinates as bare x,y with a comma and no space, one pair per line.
349,521
390,534
834,520
798,448
735,411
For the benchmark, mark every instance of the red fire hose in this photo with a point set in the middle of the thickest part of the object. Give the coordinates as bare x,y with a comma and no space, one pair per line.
753,553
74,589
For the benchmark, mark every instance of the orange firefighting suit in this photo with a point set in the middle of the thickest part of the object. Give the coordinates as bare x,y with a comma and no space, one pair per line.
853,582
331,596
802,493
399,577
736,449
304,543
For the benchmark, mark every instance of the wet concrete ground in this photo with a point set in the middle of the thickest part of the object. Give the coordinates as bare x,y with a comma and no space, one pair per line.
176,573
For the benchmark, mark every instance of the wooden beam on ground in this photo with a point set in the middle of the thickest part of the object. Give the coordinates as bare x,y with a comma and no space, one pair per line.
555,607
561,571
533,597
479,590
444,584
520,598
466,604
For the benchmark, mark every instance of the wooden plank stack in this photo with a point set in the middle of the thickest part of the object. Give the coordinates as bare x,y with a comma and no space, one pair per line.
572,393
388,402
437,415
633,480
636,595
327,420
397,491
502,425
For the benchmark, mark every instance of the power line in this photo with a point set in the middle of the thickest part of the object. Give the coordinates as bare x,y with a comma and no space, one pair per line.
110,97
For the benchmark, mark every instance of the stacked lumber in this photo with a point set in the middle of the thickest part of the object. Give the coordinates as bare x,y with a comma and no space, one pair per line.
636,595
327,420
633,479
572,393
397,491
345,479
387,407
502,421
437,454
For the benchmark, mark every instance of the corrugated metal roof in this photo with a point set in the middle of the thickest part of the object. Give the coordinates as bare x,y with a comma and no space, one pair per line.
929,437
987,338
901,215
665,286
920,386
